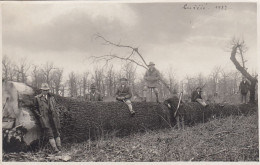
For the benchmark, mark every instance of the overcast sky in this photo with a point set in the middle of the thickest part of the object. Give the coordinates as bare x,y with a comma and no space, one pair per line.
191,41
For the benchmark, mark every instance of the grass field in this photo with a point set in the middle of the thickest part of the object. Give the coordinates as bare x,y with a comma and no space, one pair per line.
234,138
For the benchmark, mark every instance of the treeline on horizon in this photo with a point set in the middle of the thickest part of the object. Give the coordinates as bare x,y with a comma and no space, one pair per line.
219,84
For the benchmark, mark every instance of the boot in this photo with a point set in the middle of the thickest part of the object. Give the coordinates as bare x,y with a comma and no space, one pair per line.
58,143
131,110
53,145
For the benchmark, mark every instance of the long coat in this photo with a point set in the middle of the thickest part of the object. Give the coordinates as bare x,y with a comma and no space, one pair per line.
46,111
152,78
244,87
124,92
94,96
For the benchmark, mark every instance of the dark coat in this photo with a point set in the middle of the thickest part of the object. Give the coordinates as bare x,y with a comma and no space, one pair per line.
124,92
195,95
46,111
244,87
94,96
152,78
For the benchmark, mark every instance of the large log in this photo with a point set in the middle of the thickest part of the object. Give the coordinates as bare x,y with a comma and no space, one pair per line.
80,120
193,112
16,116
83,120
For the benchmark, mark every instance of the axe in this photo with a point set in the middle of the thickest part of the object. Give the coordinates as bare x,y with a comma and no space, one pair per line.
178,105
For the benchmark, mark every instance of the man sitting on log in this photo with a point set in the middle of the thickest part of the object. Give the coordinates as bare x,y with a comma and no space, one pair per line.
196,97
124,94
151,77
48,117
94,94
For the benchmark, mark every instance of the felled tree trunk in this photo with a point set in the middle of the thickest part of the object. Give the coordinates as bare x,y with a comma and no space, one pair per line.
194,113
18,125
82,120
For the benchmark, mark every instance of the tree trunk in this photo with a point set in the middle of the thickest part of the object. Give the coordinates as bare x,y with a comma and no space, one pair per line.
82,120
243,71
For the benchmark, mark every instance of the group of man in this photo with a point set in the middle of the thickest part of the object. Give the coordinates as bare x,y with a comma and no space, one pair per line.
243,89
49,118
45,105
124,93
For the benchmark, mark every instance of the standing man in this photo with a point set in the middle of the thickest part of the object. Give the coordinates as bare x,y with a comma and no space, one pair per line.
94,94
243,88
196,97
151,77
124,94
48,116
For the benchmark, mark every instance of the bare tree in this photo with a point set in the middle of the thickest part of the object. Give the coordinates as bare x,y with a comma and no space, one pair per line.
22,69
224,83
98,77
110,80
215,79
37,76
47,69
57,79
7,68
241,47
173,84
85,82
72,84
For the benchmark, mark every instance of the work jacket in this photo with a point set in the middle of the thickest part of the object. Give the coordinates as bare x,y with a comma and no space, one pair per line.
124,92
195,95
244,87
45,109
152,78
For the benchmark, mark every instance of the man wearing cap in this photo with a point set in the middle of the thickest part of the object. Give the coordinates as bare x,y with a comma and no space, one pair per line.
196,97
94,95
124,94
48,116
151,77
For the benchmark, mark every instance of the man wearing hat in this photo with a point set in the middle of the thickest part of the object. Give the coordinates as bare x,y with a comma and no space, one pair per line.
94,95
196,97
48,116
151,77
124,94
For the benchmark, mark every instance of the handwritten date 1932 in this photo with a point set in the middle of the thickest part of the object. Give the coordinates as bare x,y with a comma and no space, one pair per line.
204,6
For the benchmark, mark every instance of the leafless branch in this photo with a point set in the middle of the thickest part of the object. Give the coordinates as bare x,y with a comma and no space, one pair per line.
109,57
107,42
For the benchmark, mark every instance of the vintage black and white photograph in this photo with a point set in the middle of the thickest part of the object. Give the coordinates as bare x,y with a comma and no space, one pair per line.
148,81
